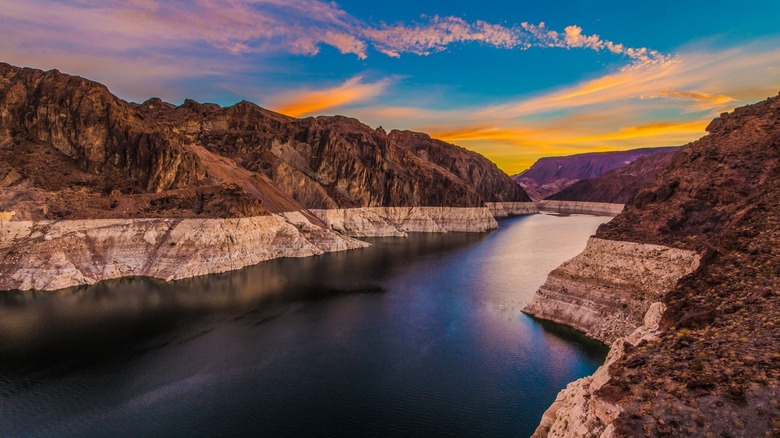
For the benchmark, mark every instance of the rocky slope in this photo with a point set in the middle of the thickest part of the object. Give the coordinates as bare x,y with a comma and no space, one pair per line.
72,153
550,175
70,149
712,368
618,186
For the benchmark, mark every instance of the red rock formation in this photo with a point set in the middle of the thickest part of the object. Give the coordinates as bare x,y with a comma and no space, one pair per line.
70,149
618,186
550,175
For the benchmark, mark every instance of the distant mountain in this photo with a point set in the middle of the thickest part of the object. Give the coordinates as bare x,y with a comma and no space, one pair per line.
618,186
71,149
550,175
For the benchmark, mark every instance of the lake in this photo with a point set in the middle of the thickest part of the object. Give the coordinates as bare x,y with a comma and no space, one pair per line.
412,336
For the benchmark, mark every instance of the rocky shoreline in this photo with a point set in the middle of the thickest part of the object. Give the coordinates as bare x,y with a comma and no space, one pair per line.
606,289
50,255
612,292
578,207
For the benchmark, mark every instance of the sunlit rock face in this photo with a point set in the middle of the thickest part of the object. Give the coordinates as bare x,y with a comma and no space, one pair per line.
94,187
70,149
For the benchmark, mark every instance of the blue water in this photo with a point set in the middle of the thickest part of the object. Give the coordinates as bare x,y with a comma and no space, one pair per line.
411,337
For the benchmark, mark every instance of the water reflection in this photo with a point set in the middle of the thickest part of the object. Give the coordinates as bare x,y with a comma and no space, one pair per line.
420,335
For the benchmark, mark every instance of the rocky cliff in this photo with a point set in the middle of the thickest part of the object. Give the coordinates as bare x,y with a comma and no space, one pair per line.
579,207
618,186
711,368
70,149
550,175
73,156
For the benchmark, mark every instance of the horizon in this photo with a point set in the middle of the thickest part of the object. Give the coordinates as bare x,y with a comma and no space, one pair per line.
564,77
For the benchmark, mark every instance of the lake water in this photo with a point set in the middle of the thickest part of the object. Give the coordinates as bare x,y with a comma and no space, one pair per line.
412,337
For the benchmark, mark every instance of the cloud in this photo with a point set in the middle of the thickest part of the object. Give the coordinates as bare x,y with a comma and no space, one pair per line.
316,101
251,26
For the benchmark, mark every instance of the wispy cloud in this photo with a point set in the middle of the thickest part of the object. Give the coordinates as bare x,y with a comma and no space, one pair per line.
352,91
246,26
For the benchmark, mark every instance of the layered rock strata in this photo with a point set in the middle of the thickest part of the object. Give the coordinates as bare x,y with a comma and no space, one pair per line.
397,221
606,290
577,207
49,255
508,209
712,369
577,411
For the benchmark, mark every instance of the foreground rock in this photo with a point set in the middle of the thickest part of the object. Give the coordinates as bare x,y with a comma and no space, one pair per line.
606,290
711,368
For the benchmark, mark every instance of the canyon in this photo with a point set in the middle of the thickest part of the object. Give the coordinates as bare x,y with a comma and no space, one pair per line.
550,175
683,284
95,188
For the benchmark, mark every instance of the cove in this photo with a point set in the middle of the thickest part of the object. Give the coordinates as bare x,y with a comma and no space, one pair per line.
413,336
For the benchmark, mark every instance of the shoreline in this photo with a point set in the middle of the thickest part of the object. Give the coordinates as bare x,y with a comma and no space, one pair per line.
52,255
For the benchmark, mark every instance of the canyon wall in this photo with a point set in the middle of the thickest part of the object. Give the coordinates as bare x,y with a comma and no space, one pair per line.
397,221
710,368
577,411
578,207
49,255
606,289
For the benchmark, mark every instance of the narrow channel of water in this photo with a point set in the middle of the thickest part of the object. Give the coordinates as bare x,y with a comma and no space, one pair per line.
413,336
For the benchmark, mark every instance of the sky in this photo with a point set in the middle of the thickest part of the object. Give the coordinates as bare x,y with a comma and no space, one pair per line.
512,80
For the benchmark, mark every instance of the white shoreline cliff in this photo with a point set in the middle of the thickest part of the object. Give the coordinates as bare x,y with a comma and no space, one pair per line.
611,291
51,255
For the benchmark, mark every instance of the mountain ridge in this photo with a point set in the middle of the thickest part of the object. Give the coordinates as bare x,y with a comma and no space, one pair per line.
550,175
74,150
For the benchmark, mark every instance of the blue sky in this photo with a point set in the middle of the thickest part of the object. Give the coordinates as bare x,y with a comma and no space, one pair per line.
510,79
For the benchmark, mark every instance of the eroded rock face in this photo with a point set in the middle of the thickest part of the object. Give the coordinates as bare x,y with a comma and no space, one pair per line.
49,255
578,411
397,221
606,290
577,207
712,367
70,149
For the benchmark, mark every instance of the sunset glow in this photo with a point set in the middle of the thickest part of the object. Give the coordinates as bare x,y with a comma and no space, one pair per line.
513,81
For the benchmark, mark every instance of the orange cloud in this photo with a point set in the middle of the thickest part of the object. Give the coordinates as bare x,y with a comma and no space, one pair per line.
316,101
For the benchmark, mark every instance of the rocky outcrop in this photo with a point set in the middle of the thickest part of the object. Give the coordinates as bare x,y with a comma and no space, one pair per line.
577,410
507,209
605,290
397,221
618,186
49,255
80,167
712,367
577,207
550,175
69,149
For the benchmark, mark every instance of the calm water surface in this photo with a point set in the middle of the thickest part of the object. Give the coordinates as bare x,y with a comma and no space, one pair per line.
413,336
